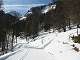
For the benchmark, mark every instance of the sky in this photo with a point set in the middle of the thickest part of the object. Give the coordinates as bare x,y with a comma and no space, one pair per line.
22,6
21,2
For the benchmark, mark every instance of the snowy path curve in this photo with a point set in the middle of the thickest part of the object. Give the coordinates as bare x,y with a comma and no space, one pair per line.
58,49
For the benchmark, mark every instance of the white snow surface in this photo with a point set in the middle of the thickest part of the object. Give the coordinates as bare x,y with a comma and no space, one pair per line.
47,8
47,46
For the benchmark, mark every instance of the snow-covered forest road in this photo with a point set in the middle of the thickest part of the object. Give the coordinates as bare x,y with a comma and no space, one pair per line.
51,46
25,53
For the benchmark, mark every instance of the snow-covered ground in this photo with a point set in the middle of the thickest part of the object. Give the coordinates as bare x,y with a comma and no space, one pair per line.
47,46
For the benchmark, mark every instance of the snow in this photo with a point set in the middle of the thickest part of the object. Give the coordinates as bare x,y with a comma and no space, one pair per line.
61,47
47,8
22,18
47,46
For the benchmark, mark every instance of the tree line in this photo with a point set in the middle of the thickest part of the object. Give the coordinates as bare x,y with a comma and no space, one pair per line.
66,13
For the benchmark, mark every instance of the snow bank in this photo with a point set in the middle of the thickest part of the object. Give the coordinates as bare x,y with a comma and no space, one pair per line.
5,56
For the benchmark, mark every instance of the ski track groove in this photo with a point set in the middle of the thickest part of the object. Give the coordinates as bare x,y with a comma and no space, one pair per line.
26,53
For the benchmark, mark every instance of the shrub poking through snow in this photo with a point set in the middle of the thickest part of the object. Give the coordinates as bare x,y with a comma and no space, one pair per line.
76,39
76,49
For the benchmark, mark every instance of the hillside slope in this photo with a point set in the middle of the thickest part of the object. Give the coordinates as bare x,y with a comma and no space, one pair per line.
47,46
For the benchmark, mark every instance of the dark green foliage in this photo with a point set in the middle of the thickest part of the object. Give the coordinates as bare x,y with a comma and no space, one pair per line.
76,39
2,29
7,27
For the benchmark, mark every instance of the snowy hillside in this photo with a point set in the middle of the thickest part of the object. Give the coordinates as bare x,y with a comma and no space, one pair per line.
47,46
48,7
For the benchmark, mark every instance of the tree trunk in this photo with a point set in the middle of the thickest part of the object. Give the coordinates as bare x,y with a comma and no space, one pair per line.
64,29
12,41
26,38
3,47
7,41
16,39
77,29
7,45
69,25
3,42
